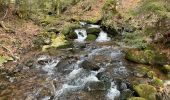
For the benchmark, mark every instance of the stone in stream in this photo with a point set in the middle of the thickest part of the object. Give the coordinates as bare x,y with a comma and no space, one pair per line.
94,31
89,65
126,94
63,65
91,37
97,86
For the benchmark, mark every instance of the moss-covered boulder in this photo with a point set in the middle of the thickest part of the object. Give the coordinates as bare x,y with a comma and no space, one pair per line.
146,91
68,30
91,37
166,69
136,98
157,82
57,42
94,31
146,56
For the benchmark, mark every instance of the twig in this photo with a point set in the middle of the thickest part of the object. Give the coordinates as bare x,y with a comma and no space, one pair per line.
8,51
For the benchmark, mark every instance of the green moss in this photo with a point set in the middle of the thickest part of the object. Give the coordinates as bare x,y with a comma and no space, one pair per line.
57,42
157,82
151,74
146,91
136,98
91,37
68,30
146,57
95,31
2,60
166,69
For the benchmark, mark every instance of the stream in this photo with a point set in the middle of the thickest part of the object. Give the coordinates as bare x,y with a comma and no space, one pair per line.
90,71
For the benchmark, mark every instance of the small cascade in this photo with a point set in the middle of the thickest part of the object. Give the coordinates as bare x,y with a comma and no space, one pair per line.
81,34
103,37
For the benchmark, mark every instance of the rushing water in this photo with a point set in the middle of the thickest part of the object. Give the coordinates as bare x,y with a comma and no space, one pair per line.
103,37
78,78
82,34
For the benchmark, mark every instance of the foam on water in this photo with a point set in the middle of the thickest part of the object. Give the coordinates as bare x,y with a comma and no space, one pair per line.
81,34
94,26
103,37
112,93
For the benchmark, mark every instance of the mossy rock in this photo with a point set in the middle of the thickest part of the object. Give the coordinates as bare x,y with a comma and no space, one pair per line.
94,31
146,57
58,42
146,91
91,37
157,82
166,69
68,30
151,74
136,98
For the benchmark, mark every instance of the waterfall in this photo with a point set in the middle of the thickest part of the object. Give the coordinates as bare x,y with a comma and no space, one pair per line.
81,34
103,37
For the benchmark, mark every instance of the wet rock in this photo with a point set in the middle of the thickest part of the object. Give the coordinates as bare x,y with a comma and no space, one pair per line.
91,37
90,65
101,58
146,91
136,98
97,86
102,76
123,84
146,57
126,94
94,31
63,66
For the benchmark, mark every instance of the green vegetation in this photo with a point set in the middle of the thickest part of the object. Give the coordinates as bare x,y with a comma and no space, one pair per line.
91,37
146,91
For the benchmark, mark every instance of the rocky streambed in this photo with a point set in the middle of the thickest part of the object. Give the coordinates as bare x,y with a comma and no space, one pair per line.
95,70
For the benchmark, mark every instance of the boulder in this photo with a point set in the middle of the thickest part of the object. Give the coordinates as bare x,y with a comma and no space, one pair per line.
166,69
97,86
89,65
91,37
94,31
146,57
126,94
146,91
